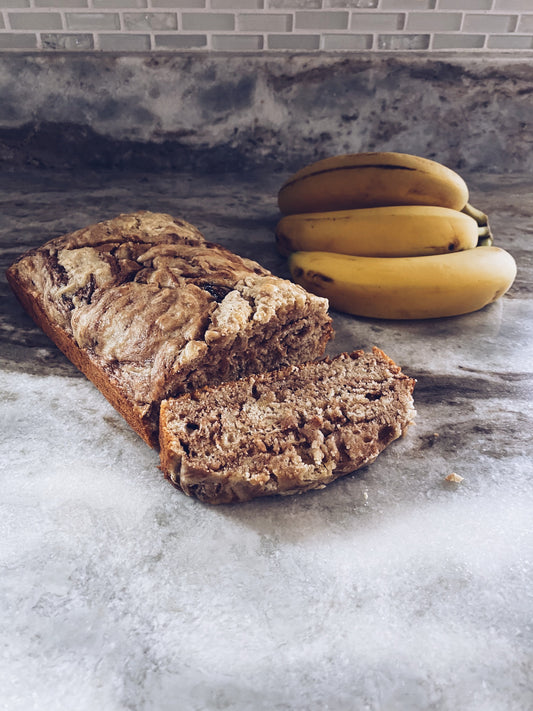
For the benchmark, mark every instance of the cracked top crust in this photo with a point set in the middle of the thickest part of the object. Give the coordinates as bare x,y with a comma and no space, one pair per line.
146,294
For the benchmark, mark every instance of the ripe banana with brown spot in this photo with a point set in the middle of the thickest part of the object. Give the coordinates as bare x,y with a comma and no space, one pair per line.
402,231
359,180
407,287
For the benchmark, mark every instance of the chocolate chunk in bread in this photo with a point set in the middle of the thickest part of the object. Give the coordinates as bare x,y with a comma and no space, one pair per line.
287,431
147,308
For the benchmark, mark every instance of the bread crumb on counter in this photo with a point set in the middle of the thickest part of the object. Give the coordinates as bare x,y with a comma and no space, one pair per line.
455,478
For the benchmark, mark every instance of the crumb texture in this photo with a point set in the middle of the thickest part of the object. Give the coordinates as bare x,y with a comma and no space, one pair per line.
159,310
287,431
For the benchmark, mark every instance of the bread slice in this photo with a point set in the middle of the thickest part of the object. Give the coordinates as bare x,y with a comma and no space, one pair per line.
287,431
147,309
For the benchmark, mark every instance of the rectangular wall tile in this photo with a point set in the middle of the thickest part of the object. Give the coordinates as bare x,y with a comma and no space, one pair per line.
464,4
180,41
237,4
116,4
293,42
60,3
178,4
237,43
14,4
326,20
510,42
35,21
401,42
200,21
482,22
525,24
159,21
458,41
69,42
354,4
264,22
92,21
295,4
11,40
377,22
506,5
433,21
353,43
407,4
123,42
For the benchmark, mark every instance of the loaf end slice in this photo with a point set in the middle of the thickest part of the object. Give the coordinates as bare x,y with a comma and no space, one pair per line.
287,431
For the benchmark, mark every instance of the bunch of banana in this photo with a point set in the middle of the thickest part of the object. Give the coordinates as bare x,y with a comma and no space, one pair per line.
390,235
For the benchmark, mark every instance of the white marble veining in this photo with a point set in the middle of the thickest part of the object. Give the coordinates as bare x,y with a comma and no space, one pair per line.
391,590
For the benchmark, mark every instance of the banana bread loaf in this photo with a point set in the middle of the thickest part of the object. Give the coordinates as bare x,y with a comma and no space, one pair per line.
147,308
287,431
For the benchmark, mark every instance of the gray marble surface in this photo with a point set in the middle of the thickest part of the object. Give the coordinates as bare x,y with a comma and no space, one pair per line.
228,111
391,590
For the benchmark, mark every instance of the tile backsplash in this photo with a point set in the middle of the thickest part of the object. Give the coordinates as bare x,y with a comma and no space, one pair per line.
256,25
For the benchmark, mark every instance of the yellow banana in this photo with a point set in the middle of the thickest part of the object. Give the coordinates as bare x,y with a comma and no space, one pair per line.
402,231
371,180
407,287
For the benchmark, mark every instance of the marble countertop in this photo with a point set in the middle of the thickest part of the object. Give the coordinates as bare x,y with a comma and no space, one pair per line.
390,590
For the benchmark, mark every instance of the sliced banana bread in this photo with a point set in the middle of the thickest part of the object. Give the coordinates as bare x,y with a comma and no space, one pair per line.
148,309
287,431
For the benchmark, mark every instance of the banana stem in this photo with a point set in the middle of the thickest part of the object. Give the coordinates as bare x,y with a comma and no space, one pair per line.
485,238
